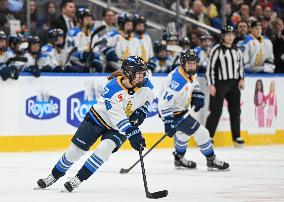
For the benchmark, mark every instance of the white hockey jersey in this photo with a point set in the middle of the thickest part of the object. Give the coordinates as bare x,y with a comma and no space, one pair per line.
50,57
5,55
145,47
258,55
116,104
127,47
76,38
175,97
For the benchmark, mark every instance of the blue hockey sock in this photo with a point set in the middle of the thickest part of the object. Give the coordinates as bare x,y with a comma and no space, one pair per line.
207,149
61,167
180,146
91,166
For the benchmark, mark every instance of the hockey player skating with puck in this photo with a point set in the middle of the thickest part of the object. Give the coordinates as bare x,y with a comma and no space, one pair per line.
115,118
180,93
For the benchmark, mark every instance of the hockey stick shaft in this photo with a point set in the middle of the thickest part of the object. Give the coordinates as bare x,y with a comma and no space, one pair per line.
144,155
143,173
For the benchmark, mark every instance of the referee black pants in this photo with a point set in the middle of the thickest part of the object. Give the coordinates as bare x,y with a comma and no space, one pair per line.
225,89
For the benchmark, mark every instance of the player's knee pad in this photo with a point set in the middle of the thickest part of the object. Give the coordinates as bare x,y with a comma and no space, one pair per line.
74,153
201,136
181,136
105,149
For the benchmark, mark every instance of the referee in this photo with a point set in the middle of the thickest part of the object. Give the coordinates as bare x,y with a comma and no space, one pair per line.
225,78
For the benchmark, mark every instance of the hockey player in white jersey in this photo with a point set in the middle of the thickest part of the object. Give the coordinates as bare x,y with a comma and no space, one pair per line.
32,55
127,44
180,93
5,54
160,63
78,45
203,51
52,55
258,51
145,41
115,118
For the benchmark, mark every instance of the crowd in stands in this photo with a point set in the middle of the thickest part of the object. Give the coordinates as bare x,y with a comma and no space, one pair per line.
74,41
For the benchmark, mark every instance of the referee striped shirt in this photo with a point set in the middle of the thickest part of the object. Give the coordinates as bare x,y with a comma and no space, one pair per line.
224,63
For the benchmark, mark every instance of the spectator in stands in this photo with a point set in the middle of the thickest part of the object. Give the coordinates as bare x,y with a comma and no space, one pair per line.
33,18
244,12
266,29
195,39
183,8
242,34
258,51
49,15
203,52
257,11
197,12
66,20
278,45
145,41
127,44
160,63
217,21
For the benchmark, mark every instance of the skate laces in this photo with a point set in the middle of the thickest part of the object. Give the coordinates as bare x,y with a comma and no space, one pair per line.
75,182
49,180
218,162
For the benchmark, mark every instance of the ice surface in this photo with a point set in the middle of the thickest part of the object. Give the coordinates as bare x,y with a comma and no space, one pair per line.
257,174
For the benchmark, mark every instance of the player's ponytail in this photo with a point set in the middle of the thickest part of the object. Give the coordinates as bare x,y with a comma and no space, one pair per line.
115,74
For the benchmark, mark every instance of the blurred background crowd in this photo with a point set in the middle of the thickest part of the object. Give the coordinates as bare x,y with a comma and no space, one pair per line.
95,36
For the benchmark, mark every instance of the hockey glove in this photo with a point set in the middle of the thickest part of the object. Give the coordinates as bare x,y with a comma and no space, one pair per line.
138,116
170,128
197,100
135,138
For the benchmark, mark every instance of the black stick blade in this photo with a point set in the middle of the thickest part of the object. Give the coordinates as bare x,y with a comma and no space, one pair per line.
123,171
158,194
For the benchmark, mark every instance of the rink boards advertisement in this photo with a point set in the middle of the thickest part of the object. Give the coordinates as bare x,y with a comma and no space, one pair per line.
50,109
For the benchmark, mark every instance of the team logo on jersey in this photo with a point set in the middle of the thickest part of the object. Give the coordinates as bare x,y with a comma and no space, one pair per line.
153,108
78,105
174,85
42,106
120,97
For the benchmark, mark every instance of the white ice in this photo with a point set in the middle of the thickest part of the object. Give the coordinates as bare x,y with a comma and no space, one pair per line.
257,174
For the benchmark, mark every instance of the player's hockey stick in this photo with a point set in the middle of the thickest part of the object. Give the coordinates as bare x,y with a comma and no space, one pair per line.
154,195
124,171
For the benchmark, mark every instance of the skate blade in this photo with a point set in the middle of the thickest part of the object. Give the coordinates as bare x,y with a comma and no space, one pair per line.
184,168
38,188
218,170
239,145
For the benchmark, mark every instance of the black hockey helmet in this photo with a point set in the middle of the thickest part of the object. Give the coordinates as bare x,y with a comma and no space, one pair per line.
3,36
83,12
227,29
169,36
131,66
15,38
205,36
53,34
188,55
122,19
139,19
33,40
184,41
160,46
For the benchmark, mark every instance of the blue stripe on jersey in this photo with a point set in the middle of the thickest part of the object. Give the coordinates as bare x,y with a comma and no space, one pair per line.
178,81
121,122
148,84
111,88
